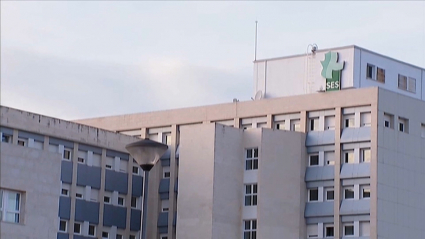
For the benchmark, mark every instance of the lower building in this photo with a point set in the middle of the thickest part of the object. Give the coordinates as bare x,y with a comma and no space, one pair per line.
64,180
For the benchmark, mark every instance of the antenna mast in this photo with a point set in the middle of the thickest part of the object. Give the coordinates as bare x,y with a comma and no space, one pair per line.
255,51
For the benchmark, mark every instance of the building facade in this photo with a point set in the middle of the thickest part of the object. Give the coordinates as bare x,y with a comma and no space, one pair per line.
332,146
357,174
65,180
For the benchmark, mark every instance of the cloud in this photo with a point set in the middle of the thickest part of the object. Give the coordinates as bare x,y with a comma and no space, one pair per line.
72,89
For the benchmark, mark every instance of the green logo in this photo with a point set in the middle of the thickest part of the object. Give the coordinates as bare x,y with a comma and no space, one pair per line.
332,71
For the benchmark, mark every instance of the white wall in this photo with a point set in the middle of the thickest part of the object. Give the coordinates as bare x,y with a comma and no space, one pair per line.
289,75
281,186
401,169
392,69
36,173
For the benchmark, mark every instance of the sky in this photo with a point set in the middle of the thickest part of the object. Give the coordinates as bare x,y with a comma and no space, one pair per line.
84,59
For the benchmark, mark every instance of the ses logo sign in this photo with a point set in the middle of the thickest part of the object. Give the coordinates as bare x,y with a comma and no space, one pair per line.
332,71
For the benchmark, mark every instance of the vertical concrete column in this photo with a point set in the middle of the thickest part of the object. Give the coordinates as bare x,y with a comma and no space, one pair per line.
153,196
173,177
101,193
337,181
303,121
46,143
374,169
270,121
74,157
237,123
15,136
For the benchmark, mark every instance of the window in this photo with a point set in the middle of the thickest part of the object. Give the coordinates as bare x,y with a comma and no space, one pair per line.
165,205
132,237
92,230
330,158
251,194
134,202
388,120
370,71
365,155
403,125
108,166
348,156
163,237
365,190
314,124
329,194
77,228
280,125
250,229
10,206
80,160
121,201
6,138
166,172
364,228
105,234
380,75
135,170
329,122
67,154
348,230
329,230
63,226
251,161
348,192
314,160
312,231
402,82
411,84
166,139
349,121
65,192
118,236
313,195
22,142
295,125
365,119
106,199
79,195
423,130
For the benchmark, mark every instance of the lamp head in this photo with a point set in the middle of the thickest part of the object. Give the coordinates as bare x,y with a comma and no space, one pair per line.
146,152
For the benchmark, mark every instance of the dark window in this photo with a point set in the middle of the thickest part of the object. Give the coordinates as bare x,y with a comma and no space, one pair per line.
349,230
105,234
348,193
136,170
77,228
329,232
401,127
330,195
133,202
91,230
369,71
314,195
387,123
314,160
62,226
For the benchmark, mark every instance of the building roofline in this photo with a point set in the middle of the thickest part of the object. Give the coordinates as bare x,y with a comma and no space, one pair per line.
339,48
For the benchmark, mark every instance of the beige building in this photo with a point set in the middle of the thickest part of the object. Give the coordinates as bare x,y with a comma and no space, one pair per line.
354,170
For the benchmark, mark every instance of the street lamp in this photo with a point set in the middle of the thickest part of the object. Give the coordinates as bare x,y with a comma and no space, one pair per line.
146,152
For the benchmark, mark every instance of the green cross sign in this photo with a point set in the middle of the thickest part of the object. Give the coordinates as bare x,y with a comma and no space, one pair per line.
332,71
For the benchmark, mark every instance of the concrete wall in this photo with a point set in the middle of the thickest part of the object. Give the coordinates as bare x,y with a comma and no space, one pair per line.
401,169
281,186
392,69
36,174
196,182
301,74
228,182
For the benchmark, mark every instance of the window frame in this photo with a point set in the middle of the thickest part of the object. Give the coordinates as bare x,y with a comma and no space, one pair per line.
94,230
362,155
4,206
249,229
346,156
345,193
251,197
362,191
329,189
66,225
67,154
325,227
310,160
344,229
251,159
309,191
79,226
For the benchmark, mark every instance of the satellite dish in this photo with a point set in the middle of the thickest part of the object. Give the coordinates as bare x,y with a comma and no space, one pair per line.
258,95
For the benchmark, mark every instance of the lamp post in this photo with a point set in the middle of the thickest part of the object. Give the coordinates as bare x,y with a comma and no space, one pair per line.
146,152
